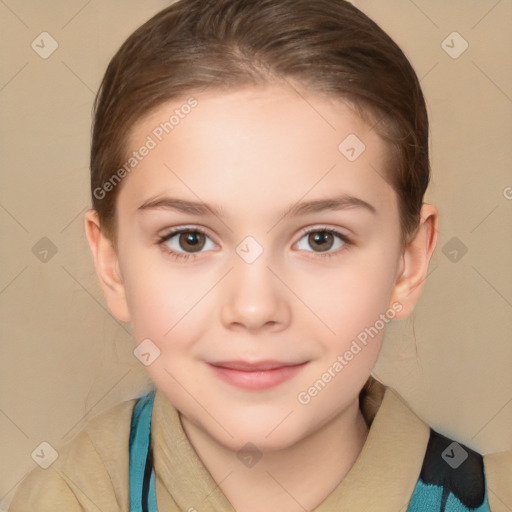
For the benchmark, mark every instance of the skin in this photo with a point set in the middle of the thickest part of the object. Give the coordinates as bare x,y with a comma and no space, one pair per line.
256,152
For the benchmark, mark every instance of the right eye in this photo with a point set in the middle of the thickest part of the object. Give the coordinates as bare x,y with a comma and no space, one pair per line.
183,243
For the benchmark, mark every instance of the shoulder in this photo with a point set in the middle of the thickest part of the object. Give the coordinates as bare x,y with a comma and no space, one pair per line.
90,472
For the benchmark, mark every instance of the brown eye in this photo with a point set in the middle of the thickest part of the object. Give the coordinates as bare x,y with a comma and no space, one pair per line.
191,241
186,242
323,240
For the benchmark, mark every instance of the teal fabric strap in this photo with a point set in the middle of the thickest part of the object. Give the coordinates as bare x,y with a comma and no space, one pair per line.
452,479
141,472
430,497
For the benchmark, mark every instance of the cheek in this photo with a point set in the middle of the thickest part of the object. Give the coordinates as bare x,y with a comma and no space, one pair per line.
156,297
353,297
168,303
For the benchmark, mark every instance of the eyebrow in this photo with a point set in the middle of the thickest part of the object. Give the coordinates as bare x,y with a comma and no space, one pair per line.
343,202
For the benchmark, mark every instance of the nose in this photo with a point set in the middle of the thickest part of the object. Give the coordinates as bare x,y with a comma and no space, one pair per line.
255,298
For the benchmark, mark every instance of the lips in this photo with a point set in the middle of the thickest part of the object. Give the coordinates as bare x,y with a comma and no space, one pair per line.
256,376
254,366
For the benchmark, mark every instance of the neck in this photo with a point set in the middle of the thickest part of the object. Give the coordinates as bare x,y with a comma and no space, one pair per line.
294,479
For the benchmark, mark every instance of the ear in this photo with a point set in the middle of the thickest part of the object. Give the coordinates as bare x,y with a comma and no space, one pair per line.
414,264
107,266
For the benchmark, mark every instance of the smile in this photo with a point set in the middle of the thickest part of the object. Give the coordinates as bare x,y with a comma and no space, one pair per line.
255,376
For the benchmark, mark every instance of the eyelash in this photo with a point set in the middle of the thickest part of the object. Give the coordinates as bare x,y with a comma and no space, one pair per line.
347,242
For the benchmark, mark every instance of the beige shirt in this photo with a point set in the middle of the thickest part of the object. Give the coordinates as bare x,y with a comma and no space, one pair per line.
91,472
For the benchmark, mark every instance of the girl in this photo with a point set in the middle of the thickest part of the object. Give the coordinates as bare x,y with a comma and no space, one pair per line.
258,170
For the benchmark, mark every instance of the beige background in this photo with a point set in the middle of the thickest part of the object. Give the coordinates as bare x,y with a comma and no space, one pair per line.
64,358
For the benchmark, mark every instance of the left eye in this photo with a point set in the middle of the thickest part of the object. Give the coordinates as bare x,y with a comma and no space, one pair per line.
323,239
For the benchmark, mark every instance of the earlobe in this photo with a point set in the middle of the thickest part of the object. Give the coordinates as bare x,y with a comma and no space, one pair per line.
414,262
107,267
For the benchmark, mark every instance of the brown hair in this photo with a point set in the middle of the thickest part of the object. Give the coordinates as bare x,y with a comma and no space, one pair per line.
327,46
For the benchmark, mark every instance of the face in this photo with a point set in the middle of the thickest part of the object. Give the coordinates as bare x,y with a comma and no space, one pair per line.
259,259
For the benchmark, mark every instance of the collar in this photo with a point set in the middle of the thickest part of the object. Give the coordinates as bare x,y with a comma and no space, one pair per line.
389,463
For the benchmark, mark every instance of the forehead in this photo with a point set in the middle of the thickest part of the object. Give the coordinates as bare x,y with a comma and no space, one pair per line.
269,144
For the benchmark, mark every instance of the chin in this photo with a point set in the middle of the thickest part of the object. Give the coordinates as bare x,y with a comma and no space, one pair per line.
259,441
268,436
